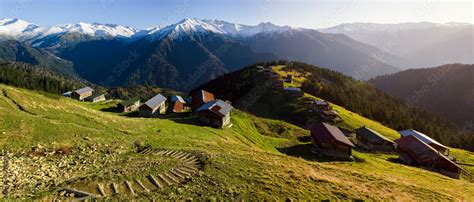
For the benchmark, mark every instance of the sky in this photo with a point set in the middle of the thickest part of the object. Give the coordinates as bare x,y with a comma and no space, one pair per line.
298,13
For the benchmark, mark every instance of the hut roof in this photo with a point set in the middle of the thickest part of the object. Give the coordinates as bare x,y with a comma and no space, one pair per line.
175,98
217,106
421,136
292,89
321,102
83,90
155,101
371,135
67,93
129,101
203,95
420,152
96,95
326,133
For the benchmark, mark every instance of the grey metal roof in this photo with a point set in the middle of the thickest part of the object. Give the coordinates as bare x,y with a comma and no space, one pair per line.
224,107
83,90
292,89
371,135
175,98
96,95
155,101
420,136
130,101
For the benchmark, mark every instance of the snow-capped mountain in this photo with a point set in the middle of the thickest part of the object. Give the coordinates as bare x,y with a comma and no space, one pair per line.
376,27
98,30
196,26
25,31
421,44
19,29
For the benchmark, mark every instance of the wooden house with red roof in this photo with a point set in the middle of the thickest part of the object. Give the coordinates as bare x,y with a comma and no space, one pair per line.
201,97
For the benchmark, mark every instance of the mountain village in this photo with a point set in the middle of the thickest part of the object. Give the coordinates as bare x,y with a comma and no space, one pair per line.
414,148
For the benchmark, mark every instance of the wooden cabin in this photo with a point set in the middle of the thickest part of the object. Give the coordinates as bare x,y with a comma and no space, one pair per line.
201,97
153,107
81,94
67,94
433,143
177,104
330,116
215,113
129,105
294,92
96,98
321,105
278,84
329,141
373,141
414,151
289,78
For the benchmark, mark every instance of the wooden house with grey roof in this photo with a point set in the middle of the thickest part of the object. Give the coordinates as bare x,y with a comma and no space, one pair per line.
215,113
418,153
82,94
373,141
129,105
96,98
153,107
426,139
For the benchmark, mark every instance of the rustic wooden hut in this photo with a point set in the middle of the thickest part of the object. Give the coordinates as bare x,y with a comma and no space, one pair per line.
200,97
153,107
81,94
129,105
177,104
433,143
67,94
329,116
328,140
289,78
321,105
295,92
215,113
278,84
416,152
373,141
96,98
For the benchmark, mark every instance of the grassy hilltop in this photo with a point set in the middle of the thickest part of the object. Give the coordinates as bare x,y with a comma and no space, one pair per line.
240,162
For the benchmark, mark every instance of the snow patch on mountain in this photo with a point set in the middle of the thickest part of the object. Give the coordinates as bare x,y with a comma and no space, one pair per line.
191,26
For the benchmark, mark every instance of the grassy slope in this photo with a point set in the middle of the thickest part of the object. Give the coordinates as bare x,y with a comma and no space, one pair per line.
353,121
240,159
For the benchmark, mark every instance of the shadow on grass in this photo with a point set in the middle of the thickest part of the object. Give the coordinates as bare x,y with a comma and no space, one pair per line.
396,160
304,151
111,109
183,118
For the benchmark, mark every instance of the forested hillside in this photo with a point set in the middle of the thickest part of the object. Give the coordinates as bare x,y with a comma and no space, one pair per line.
35,78
354,95
447,90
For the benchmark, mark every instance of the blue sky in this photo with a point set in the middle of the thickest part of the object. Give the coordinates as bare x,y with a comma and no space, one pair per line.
300,13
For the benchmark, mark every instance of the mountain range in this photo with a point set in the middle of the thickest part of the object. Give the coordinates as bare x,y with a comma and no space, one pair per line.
421,44
185,54
192,51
